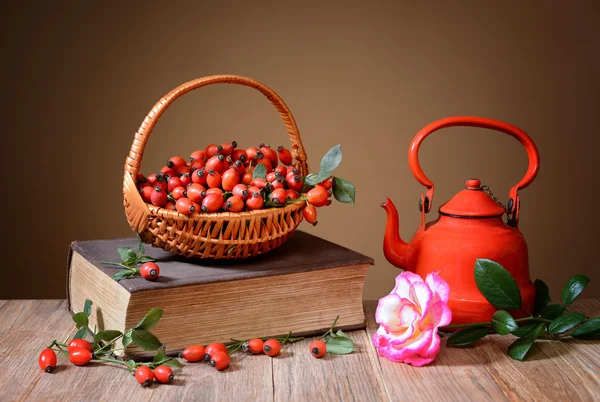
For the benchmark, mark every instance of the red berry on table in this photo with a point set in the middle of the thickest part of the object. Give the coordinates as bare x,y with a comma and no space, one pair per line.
310,214
272,347
144,376
149,271
216,163
195,192
79,344
214,179
295,182
47,360
80,357
318,348
318,196
234,204
158,197
239,155
213,348
241,191
229,179
269,153
176,162
185,206
199,176
219,360
255,346
278,196
179,192
255,202
146,193
163,374
212,203
228,148
200,154
174,182
285,156
193,353
212,149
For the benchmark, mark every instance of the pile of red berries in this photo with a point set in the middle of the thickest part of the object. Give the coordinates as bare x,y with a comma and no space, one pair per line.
226,178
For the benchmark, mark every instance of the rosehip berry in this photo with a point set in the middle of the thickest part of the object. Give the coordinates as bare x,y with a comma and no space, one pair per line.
262,159
255,346
212,203
318,348
161,181
229,179
252,190
271,177
239,155
247,178
213,348
185,206
318,196
151,178
327,183
170,206
47,360
255,202
146,193
176,162
183,170
197,164
80,357
144,376
272,347
310,214
193,353
167,172
213,149
197,207
200,154
259,182
149,271
293,170
214,190
141,183
251,153
174,182
79,344
285,156
240,190
216,163
228,148
234,204
281,170
295,182
292,194
239,166
163,374
195,192
278,196
158,197
186,179
214,179
179,192
270,154
219,360
199,176
279,183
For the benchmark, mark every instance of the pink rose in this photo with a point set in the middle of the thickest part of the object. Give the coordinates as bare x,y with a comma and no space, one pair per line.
409,318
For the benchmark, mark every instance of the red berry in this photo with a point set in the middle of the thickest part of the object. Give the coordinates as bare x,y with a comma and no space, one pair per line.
251,153
214,190
170,206
144,375
176,162
216,163
212,149
146,193
214,179
183,170
213,348
186,179
292,194
197,164
281,170
262,159
163,374
259,182
185,206
228,148
149,271
255,346
285,155
327,183
271,177
234,204
167,172
80,357
279,183
270,154
199,176
229,179
239,166
161,181
252,190
174,182
318,196
158,197
247,178
295,182
219,360
47,360
318,348
193,353
151,178
195,192
239,155
310,214
272,347
200,154
241,191
279,196
212,203
255,202
178,192
79,344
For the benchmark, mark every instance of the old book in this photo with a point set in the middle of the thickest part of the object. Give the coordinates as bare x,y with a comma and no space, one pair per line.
300,287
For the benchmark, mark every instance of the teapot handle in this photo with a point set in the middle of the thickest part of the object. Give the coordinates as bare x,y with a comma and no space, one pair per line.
513,205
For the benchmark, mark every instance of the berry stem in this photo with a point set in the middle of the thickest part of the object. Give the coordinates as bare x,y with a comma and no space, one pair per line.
108,359
108,344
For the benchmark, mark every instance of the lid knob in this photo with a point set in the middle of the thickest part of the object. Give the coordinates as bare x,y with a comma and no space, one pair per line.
473,184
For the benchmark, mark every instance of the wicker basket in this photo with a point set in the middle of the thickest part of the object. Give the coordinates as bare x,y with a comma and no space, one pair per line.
215,235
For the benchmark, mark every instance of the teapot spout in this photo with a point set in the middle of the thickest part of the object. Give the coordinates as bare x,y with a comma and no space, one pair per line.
396,251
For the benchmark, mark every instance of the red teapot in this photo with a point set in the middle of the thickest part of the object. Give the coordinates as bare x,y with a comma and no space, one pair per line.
469,226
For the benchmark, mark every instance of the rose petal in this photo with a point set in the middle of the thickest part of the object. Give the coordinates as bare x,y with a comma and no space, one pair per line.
438,315
387,313
421,295
404,281
439,287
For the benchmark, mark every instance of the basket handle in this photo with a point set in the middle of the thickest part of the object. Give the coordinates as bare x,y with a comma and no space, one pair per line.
136,153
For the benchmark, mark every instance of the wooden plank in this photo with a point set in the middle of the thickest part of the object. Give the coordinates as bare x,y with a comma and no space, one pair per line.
297,376
2,303
553,370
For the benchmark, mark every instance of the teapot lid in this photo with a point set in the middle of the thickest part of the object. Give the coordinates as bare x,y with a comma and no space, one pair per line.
472,202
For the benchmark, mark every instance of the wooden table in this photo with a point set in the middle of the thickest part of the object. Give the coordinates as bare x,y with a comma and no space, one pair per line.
566,371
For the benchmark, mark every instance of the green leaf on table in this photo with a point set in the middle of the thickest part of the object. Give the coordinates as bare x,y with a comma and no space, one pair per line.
151,319
503,323
542,295
87,307
344,191
127,255
81,333
107,336
497,285
565,322
519,348
331,160
260,172
160,355
573,289
590,329
341,333
532,329
127,338
339,345
81,320
145,339
552,311
123,274
173,363
467,336
146,258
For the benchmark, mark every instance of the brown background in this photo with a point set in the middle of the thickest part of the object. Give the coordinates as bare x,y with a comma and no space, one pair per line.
80,76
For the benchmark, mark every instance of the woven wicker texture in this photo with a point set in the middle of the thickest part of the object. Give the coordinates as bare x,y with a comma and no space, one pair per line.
217,235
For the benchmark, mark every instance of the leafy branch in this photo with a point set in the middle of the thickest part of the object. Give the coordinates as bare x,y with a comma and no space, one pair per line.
343,190
130,259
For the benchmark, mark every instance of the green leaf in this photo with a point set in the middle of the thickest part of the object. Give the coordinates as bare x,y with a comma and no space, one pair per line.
339,345
145,339
590,329
260,172
542,295
107,336
529,330
331,160
173,363
127,255
81,334
565,322
146,258
467,336
315,178
160,355
552,311
81,320
503,323
497,285
573,289
127,338
131,364
140,245
341,333
151,319
519,348
344,191
87,307
123,274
